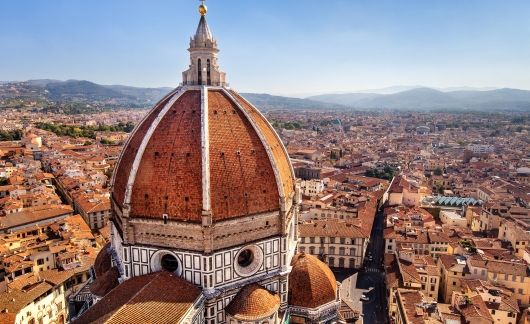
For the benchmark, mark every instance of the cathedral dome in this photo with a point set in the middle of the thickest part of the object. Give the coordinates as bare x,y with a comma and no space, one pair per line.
202,151
204,205
203,154
204,170
311,282
253,303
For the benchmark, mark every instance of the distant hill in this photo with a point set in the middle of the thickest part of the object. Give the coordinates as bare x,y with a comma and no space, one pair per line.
41,82
346,99
141,94
270,102
82,90
420,98
431,99
86,92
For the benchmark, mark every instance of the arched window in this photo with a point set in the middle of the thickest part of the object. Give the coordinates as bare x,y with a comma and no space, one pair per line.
331,262
341,262
208,79
199,72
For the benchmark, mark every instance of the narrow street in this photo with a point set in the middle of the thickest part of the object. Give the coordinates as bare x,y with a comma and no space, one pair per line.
375,309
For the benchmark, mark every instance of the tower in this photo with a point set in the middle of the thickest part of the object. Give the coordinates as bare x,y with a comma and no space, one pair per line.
203,69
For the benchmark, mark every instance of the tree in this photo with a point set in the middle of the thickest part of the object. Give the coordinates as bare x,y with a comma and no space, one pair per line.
13,135
387,173
438,172
105,141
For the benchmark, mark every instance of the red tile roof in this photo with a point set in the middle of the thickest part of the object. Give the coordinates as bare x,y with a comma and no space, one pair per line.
141,300
330,228
311,282
243,150
253,302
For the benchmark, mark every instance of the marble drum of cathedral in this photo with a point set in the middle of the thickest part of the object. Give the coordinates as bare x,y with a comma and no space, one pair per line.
205,206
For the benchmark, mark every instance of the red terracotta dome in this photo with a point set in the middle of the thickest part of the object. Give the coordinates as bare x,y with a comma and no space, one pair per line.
106,275
311,282
103,260
253,302
202,150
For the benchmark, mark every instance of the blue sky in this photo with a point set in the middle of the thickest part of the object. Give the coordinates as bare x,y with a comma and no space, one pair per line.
276,46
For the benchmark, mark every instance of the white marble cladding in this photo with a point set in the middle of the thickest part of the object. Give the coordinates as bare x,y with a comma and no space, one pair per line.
207,271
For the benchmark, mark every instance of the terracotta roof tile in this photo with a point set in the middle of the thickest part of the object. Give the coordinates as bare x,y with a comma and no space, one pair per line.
253,302
139,300
238,161
330,228
311,282
105,282
123,169
169,177
276,146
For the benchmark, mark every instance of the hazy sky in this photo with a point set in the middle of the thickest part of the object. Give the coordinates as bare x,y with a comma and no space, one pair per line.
275,46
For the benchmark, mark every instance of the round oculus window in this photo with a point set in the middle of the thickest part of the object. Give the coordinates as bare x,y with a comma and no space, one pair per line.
248,260
169,263
164,260
245,258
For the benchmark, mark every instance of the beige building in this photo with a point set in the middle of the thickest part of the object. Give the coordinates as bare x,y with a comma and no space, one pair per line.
523,175
407,192
517,234
440,243
412,238
312,187
339,244
405,270
419,272
452,269
95,211
452,218
508,274
338,214
511,275
414,307
40,301
498,301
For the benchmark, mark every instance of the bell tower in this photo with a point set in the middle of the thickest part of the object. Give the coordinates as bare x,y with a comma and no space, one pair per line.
203,69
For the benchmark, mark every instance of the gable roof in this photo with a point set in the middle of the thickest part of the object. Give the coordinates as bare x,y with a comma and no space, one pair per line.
145,299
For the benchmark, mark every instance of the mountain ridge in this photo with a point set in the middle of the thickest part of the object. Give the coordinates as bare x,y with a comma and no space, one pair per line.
424,98
419,98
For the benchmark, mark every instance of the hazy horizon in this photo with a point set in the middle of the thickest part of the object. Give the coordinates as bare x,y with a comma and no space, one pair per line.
296,48
385,90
